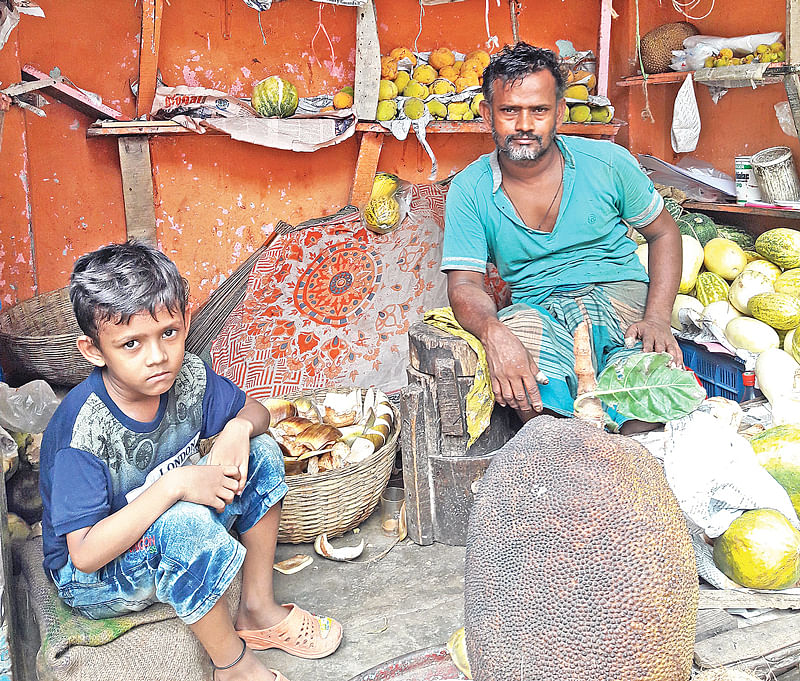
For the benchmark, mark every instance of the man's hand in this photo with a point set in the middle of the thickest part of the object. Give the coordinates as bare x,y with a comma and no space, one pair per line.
232,448
513,372
656,336
213,486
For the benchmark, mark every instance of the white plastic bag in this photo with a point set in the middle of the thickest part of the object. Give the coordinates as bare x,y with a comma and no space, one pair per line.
27,409
784,114
685,129
742,44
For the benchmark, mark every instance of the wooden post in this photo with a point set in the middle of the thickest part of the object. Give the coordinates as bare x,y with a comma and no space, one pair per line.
148,54
368,63
604,48
137,188
369,151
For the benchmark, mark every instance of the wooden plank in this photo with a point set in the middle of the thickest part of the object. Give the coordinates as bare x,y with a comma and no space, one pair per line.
368,63
744,210
791,84
731,598
10,645
427,345
148,54
71,96
776,643
654,78
792,32
713,622
450,412
137,188
604,48
369,151
138,128
413,446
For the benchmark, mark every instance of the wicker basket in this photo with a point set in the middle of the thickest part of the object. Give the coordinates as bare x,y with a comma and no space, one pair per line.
37,340
335,501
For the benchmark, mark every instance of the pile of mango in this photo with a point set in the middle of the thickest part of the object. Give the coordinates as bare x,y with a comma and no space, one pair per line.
444,83
583,105
775,52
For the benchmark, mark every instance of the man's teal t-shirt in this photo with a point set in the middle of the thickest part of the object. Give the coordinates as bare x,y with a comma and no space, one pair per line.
604,192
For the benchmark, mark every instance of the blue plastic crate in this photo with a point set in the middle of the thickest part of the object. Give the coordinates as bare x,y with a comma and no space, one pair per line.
720,374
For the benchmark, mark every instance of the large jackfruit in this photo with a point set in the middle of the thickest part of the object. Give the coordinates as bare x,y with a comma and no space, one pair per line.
579,566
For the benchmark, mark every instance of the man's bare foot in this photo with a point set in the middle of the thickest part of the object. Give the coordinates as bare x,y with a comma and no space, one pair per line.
249,668
259,616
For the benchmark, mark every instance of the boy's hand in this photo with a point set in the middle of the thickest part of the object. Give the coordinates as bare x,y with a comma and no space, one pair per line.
232,448
213,486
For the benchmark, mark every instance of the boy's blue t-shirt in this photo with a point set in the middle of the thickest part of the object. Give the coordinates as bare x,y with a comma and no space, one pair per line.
95,459
604,192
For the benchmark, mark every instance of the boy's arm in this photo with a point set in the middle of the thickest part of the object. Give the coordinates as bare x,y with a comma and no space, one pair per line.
90,548
232,446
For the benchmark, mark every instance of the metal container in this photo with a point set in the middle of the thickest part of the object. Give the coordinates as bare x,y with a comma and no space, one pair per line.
746,184
776,175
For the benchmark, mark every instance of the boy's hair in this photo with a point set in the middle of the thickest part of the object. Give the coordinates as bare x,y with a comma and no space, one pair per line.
513,63
118,281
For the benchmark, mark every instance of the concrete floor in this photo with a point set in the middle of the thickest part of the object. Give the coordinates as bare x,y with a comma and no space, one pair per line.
410,599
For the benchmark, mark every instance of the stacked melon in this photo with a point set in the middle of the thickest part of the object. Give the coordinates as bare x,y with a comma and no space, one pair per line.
748,286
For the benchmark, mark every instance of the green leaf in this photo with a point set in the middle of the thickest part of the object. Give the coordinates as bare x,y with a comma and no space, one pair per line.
644,387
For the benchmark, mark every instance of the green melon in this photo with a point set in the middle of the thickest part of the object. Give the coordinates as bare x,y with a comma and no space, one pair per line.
274,97
779,310
700,226
760,550
778,452
781,246
741,236
789,282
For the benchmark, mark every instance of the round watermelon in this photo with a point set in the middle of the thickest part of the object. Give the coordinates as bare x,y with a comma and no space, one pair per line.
274,97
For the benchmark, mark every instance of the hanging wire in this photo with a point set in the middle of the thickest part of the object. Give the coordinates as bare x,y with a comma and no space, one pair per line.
685,6
491,40
321,26
419,33
261,28
646,113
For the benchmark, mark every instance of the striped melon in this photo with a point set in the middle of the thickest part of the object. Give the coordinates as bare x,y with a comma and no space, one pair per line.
710,287
789,282
779,310
769,269
739,235
781,246
778,451
752,255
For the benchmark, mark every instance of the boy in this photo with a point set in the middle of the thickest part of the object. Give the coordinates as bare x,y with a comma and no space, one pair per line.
127,519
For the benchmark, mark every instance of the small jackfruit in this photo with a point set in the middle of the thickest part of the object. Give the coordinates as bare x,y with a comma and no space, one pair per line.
577,92
399,53
456,111
474,65
465,80
474,105
442,86
480,56
388,68
402,80
415,89
580,113
438,109
449,72
387,90
425,74
601,114
387,110
414,108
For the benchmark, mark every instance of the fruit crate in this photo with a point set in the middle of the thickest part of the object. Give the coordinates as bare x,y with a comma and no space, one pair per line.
720,374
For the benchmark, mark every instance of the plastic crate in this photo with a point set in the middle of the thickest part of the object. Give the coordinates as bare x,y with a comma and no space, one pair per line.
720,374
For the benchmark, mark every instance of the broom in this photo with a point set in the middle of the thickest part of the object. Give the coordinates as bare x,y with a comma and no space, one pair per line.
211,316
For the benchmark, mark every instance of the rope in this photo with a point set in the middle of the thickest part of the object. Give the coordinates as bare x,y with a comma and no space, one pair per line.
491,40
419,33
646,113
321,26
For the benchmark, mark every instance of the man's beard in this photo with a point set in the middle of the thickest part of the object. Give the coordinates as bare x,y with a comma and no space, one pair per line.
527,152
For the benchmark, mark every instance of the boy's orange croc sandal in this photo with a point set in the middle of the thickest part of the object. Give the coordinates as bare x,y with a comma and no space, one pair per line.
300,633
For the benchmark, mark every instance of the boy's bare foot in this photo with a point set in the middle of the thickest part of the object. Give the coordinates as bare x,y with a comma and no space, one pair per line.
249,668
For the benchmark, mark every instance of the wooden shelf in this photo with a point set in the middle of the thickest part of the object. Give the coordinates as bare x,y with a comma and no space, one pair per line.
125,128
776,70
738,209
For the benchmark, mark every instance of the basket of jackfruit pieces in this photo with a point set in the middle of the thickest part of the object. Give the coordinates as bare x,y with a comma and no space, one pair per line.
439,85
339,446
584,105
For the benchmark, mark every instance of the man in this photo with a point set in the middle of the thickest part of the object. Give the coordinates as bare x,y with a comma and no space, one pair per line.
553,213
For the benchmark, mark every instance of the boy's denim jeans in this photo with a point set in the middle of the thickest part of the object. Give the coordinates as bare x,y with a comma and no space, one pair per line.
187,557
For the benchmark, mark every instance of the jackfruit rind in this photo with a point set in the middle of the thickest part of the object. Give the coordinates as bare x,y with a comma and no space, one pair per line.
578,562
760,550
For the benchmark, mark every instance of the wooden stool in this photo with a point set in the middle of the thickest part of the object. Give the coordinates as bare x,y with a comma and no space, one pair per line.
439,472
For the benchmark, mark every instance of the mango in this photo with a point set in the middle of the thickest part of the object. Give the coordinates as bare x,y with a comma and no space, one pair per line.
442,86
481,56
387,110
577,92
415,89
388,68
601,114
387,90
580,113
474,104
342,100
441,57
457,110
425,74
438,109
402,80
399,53
414,108
449,72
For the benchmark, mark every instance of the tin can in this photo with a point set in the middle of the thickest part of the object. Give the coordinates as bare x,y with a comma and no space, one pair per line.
747,188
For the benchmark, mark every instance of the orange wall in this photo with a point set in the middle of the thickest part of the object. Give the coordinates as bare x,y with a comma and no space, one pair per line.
216,199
